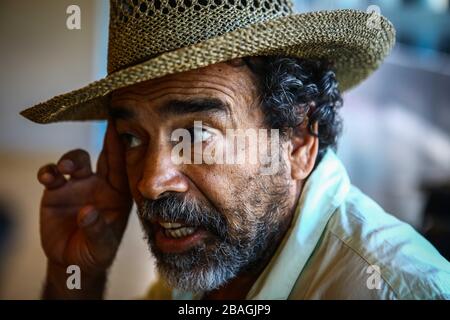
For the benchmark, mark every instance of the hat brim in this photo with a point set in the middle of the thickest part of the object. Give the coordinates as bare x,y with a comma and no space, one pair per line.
351,40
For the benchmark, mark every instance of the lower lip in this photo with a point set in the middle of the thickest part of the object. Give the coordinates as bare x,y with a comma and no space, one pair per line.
178,245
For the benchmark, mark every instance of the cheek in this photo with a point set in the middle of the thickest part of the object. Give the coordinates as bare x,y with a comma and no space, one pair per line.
226,186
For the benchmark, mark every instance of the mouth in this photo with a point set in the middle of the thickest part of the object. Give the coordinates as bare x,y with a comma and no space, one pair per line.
176,230
176,237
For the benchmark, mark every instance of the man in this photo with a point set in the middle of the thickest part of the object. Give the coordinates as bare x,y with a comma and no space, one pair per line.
229,229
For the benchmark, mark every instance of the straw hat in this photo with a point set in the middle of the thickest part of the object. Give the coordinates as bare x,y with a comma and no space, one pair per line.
153,38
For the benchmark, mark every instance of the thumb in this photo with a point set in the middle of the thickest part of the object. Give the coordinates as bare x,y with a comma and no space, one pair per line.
100,237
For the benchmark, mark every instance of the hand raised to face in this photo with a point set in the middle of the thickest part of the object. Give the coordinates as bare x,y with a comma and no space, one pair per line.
84,213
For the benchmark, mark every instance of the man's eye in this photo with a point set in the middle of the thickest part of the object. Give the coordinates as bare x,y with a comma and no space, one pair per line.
131,140
199,134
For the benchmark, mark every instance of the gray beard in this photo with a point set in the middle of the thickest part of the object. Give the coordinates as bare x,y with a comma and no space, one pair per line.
209,266
200,269
252,239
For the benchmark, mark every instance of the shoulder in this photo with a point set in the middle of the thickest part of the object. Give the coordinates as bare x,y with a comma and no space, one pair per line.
366,253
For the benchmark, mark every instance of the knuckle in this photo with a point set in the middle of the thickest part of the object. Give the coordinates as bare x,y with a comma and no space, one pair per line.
79,156
82,155
81,152
45,168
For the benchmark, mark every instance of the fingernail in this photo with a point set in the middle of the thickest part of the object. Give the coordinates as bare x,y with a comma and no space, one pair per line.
66,165
89,218
47,177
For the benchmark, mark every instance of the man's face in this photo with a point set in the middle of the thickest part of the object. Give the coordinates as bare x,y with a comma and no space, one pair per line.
205,223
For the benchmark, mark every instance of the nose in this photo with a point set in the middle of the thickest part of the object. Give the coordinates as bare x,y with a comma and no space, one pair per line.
161,175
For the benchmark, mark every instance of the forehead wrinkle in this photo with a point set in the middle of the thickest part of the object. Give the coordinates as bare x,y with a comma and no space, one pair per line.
149,90
190,94
121,103
143,91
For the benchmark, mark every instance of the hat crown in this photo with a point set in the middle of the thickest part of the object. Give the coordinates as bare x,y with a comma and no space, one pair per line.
142,29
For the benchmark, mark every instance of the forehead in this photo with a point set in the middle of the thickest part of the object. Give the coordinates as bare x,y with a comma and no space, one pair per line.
231,82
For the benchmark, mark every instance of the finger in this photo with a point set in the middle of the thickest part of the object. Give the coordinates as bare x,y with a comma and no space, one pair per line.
102,164
97,232
116,158
112,159
50,177
76,163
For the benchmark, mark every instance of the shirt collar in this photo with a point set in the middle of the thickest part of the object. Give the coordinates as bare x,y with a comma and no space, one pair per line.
323,192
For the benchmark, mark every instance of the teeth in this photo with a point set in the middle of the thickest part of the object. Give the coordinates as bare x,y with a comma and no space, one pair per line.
169,225
178,233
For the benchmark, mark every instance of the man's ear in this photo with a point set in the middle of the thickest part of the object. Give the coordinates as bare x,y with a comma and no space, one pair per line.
303,151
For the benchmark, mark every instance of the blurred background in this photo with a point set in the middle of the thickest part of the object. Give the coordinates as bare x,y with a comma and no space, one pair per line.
396,141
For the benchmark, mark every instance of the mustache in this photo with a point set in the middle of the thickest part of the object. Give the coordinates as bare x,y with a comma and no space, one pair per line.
174,207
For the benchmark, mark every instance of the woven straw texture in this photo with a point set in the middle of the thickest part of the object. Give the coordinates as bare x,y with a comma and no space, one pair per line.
153,38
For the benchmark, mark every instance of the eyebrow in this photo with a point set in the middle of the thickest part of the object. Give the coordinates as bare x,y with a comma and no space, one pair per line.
177,107
207,105
121,113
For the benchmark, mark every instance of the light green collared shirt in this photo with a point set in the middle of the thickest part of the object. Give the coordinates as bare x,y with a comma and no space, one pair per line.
342,245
